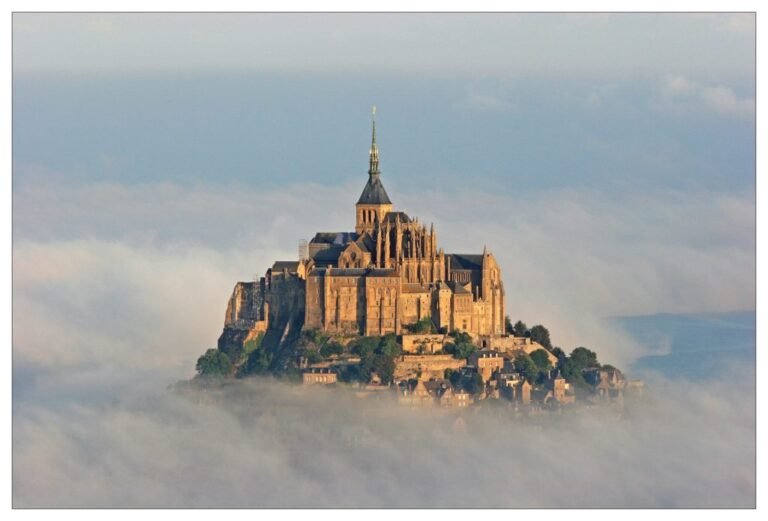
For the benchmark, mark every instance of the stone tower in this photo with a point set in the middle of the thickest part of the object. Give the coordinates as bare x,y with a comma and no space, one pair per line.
374,202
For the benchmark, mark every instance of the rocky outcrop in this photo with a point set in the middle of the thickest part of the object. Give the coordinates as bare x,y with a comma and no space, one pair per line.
273,306
245,306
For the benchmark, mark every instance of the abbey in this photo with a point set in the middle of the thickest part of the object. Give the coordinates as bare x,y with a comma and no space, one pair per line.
384,276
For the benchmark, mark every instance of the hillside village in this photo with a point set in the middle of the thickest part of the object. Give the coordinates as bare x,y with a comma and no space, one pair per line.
427,368
386,312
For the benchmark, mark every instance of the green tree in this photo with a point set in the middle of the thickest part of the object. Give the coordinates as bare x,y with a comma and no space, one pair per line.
569,371
331,348
508,327
541,359
258,362
214,363
388,346
425,325
525,365
384,366
460,348
312,356
455,378
475,385
520,328
364,345
584,358
559,353
540,334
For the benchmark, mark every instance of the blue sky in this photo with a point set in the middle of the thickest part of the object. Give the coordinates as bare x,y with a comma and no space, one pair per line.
507,135
514,102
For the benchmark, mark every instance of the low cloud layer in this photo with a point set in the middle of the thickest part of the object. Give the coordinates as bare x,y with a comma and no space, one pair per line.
118,289
266,444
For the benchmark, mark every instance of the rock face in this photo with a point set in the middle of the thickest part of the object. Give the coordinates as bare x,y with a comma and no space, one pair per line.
245,306
273,306
245,316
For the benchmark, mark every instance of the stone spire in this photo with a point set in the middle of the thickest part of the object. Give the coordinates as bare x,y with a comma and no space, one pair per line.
374,193
373,168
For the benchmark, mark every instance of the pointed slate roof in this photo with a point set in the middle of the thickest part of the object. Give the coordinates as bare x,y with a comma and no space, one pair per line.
374,192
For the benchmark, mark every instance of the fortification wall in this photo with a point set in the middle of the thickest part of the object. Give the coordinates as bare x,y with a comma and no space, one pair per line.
425,366
430,343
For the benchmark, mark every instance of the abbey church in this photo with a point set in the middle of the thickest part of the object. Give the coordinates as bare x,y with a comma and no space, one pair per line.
384,276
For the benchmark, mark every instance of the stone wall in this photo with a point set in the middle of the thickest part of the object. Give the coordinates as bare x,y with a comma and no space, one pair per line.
431,343
511,344
429,366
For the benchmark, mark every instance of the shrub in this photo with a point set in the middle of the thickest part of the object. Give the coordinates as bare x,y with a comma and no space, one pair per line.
214,363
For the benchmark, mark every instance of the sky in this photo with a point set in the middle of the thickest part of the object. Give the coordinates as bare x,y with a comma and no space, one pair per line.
608,162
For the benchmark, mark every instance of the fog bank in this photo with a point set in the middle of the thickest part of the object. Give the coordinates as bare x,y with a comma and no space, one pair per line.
263,444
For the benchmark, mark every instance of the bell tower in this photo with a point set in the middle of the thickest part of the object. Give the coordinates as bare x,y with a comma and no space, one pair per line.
374,202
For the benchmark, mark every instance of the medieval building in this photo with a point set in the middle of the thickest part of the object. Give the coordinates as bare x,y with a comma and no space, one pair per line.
385,275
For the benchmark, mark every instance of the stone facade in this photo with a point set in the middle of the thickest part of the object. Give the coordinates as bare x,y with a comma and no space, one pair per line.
322,376
486,363
425,367
386,275
424,343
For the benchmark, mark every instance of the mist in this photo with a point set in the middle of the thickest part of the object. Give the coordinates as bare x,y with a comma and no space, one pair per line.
262,443
114,302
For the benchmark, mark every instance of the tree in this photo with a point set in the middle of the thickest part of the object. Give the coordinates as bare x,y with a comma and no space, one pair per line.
455,378
584,358
571,372
508,327
331,348
258,362
462,346
388,346
475,384
540,334
525,365
312,356
214,363
559,353
541,359
364,345
520,328
384,366
425,325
